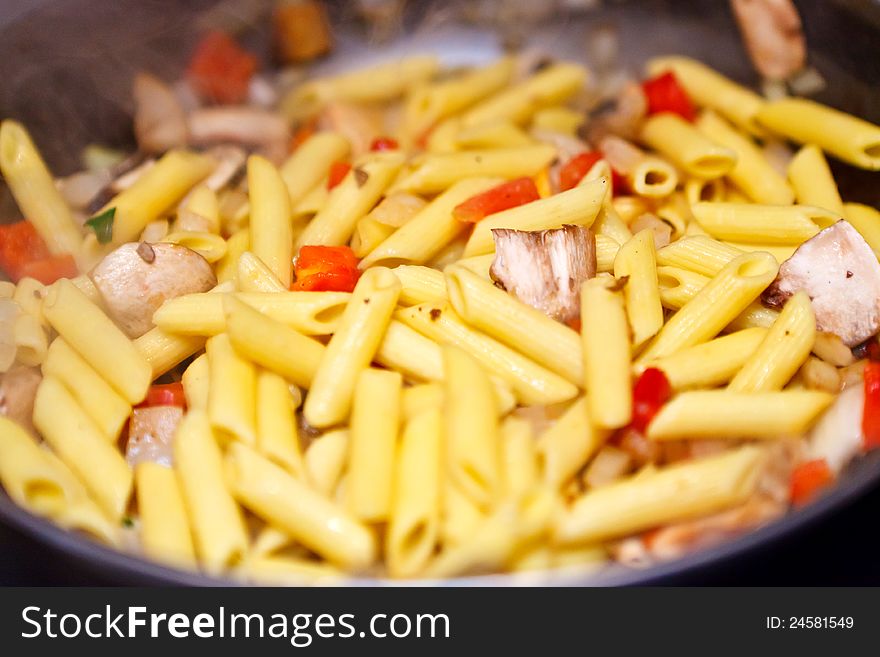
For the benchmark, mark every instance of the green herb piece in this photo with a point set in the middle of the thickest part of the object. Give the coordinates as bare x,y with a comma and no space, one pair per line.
102,224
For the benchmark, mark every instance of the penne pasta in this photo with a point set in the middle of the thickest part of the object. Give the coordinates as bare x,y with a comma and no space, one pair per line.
165,530
276,430
762,224
270,229
307,166
812,180
636,263
686,147
568,444
231,392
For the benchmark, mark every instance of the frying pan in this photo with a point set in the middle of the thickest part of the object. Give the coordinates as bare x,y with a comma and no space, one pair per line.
67,67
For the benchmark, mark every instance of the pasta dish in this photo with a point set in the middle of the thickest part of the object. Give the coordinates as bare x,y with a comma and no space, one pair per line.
414,321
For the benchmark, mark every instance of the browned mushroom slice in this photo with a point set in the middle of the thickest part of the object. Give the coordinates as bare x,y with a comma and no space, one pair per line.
137,278
772,33
248,126
150,434
18,387
545,268
159,119
841,274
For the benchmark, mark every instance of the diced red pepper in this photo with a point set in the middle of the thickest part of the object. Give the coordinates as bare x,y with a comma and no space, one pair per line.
220,70
326,269
384,144
165,394
872,350
651,391
503,197
338,172
808,479
576,168
871,408
24,253
665,94
48,270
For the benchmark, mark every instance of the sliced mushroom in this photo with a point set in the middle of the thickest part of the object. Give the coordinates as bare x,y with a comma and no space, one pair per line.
18,387
545,268
837,436
772,33
150,434
662,230
622,155
357,123
136,278
621,117
247,126
841,274
159,118
230,166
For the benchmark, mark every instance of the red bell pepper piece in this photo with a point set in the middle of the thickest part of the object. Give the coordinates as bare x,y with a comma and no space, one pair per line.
326,269
651,391
338,172
384,144
503,197
24,253
576,168
665,94
871,408
808,479
220,70
165,394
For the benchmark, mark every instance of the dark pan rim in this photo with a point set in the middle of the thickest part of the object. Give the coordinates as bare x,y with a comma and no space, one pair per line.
131,569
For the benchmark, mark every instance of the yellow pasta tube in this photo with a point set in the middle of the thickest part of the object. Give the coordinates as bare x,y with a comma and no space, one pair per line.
715,306
688,148
196,380
310,313
413,526
653,177
419,284
351,199
409,352
473,449
752,173
866,220
568,444
217,524
636,260
506,319
723,414
104,405
431,229
812,180
551,86
271,236
711,363
375,416
277,435
156,191
309,163
254,276
82,446
165,531
578,206
290,505
379,83
677,492
785,348
325,460
41,483
30,340
34,190
434,172
163,351
781,252
208,245
202,201
97,339
606,251
460,516
847,137
238,243
368,234
607,352
708,88
352,347
678,286
762,224
698,253
503,134
270,344
531,383
518,457
231,391
429,104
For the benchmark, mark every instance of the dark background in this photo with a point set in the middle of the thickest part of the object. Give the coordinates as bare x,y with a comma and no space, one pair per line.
66,72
